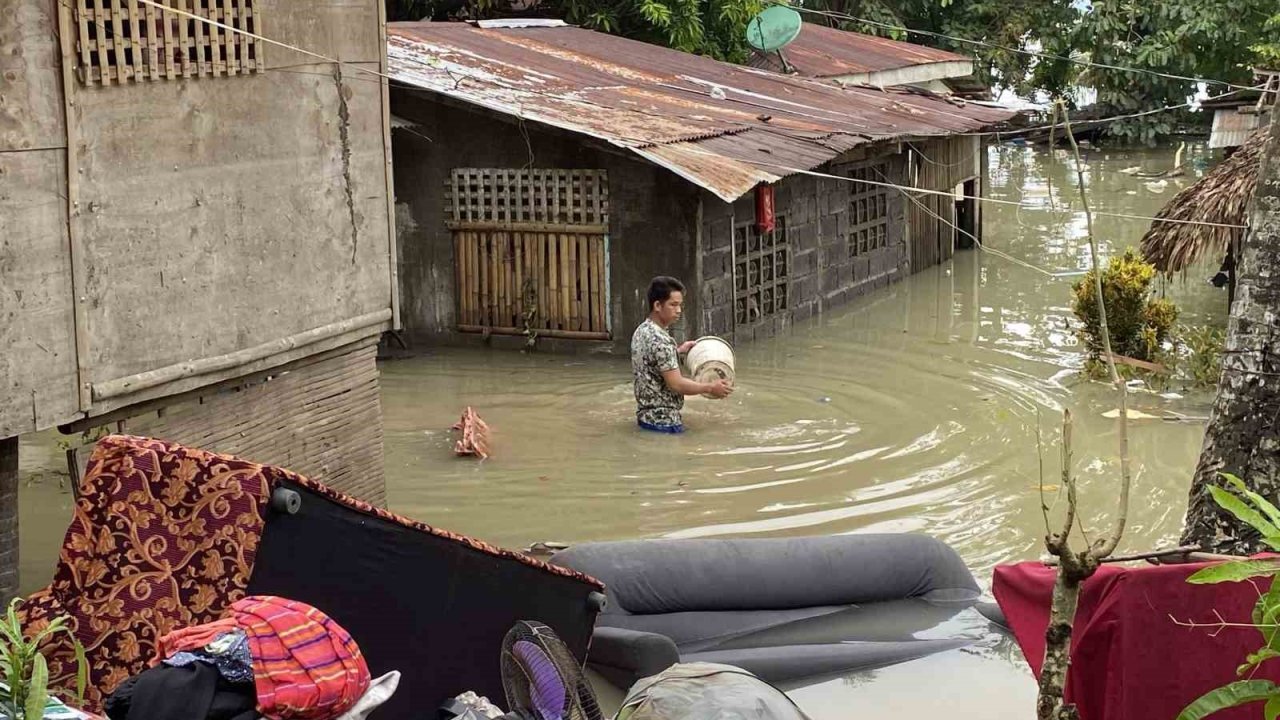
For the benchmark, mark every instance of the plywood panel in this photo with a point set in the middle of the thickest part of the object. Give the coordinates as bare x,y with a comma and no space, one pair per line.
30,78
345,29
262,215
37,336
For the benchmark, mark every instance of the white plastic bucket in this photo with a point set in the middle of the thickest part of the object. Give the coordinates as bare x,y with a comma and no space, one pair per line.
710,359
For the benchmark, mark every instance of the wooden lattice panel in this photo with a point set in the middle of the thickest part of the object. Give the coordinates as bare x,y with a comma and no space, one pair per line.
506,196
120,41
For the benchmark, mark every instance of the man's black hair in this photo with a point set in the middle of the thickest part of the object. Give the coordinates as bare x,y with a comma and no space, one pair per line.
661,287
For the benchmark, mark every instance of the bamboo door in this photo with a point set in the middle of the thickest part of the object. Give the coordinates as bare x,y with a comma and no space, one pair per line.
531,251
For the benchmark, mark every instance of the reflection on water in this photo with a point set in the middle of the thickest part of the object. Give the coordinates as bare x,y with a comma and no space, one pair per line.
914,409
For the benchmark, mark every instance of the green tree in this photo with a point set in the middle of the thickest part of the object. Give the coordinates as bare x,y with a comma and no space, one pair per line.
1011,31
1268,49
1191,38
716,28
1187,38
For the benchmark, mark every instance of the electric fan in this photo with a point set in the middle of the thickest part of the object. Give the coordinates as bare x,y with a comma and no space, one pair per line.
542,679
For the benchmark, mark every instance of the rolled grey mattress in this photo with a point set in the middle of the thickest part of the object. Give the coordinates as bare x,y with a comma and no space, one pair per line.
782,608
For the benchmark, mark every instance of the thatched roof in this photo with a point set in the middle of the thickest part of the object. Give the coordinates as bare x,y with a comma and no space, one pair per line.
1221,196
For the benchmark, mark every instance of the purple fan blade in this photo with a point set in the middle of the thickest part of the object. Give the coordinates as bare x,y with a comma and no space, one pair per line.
548,692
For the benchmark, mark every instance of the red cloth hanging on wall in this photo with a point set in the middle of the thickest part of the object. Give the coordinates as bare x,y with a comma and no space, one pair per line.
764,208
1129,659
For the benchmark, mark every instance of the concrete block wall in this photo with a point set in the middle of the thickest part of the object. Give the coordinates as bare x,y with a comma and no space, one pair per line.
823,272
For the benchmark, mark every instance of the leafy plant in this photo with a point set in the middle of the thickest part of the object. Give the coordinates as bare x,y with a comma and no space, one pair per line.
1139,323
1268,49
26,673
1260,514
1222,41
716,28
1200,364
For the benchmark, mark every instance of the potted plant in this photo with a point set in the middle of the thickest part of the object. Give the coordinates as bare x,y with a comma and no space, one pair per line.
24,674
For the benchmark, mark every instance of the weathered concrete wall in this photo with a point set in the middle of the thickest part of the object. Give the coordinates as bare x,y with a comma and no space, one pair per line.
37,336
652,214
208,215
31,116
262,220
252,208
823,272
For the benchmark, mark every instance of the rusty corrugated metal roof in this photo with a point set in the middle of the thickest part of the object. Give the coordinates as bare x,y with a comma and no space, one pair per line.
723,127
1232,128
820,51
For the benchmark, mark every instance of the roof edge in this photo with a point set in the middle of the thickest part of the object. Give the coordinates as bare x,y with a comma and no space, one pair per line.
908,74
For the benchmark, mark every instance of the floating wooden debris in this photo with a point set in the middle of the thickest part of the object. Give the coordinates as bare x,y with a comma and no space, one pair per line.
475,435
1133,415
1140,364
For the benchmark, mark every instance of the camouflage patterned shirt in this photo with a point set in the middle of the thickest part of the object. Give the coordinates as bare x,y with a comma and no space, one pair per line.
653,352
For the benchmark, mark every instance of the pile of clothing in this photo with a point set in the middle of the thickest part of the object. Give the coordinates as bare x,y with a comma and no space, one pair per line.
54,709
270,658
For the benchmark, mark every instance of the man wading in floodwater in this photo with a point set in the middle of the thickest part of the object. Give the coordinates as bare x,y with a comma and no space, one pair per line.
660,388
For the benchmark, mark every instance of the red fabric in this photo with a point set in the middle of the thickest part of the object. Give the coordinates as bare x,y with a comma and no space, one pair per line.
191,638
1129,659
305,665
764,208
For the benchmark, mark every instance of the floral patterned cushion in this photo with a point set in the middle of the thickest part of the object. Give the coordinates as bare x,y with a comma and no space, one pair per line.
163,537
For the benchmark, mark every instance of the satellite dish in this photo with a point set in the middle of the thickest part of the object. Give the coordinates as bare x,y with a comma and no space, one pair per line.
774,28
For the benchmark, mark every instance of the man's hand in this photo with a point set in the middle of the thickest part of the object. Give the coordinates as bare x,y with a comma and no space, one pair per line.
719,389
686,346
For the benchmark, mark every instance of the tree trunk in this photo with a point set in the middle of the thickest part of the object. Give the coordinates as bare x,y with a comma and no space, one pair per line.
1243,436
1073,570
8,519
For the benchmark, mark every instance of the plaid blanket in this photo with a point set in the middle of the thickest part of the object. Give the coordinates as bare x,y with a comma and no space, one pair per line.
305,665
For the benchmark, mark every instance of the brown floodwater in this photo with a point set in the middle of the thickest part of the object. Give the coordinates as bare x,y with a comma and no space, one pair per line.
915,409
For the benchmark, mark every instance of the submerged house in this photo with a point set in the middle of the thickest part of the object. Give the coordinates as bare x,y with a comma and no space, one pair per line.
1237,114
545,173
849,58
